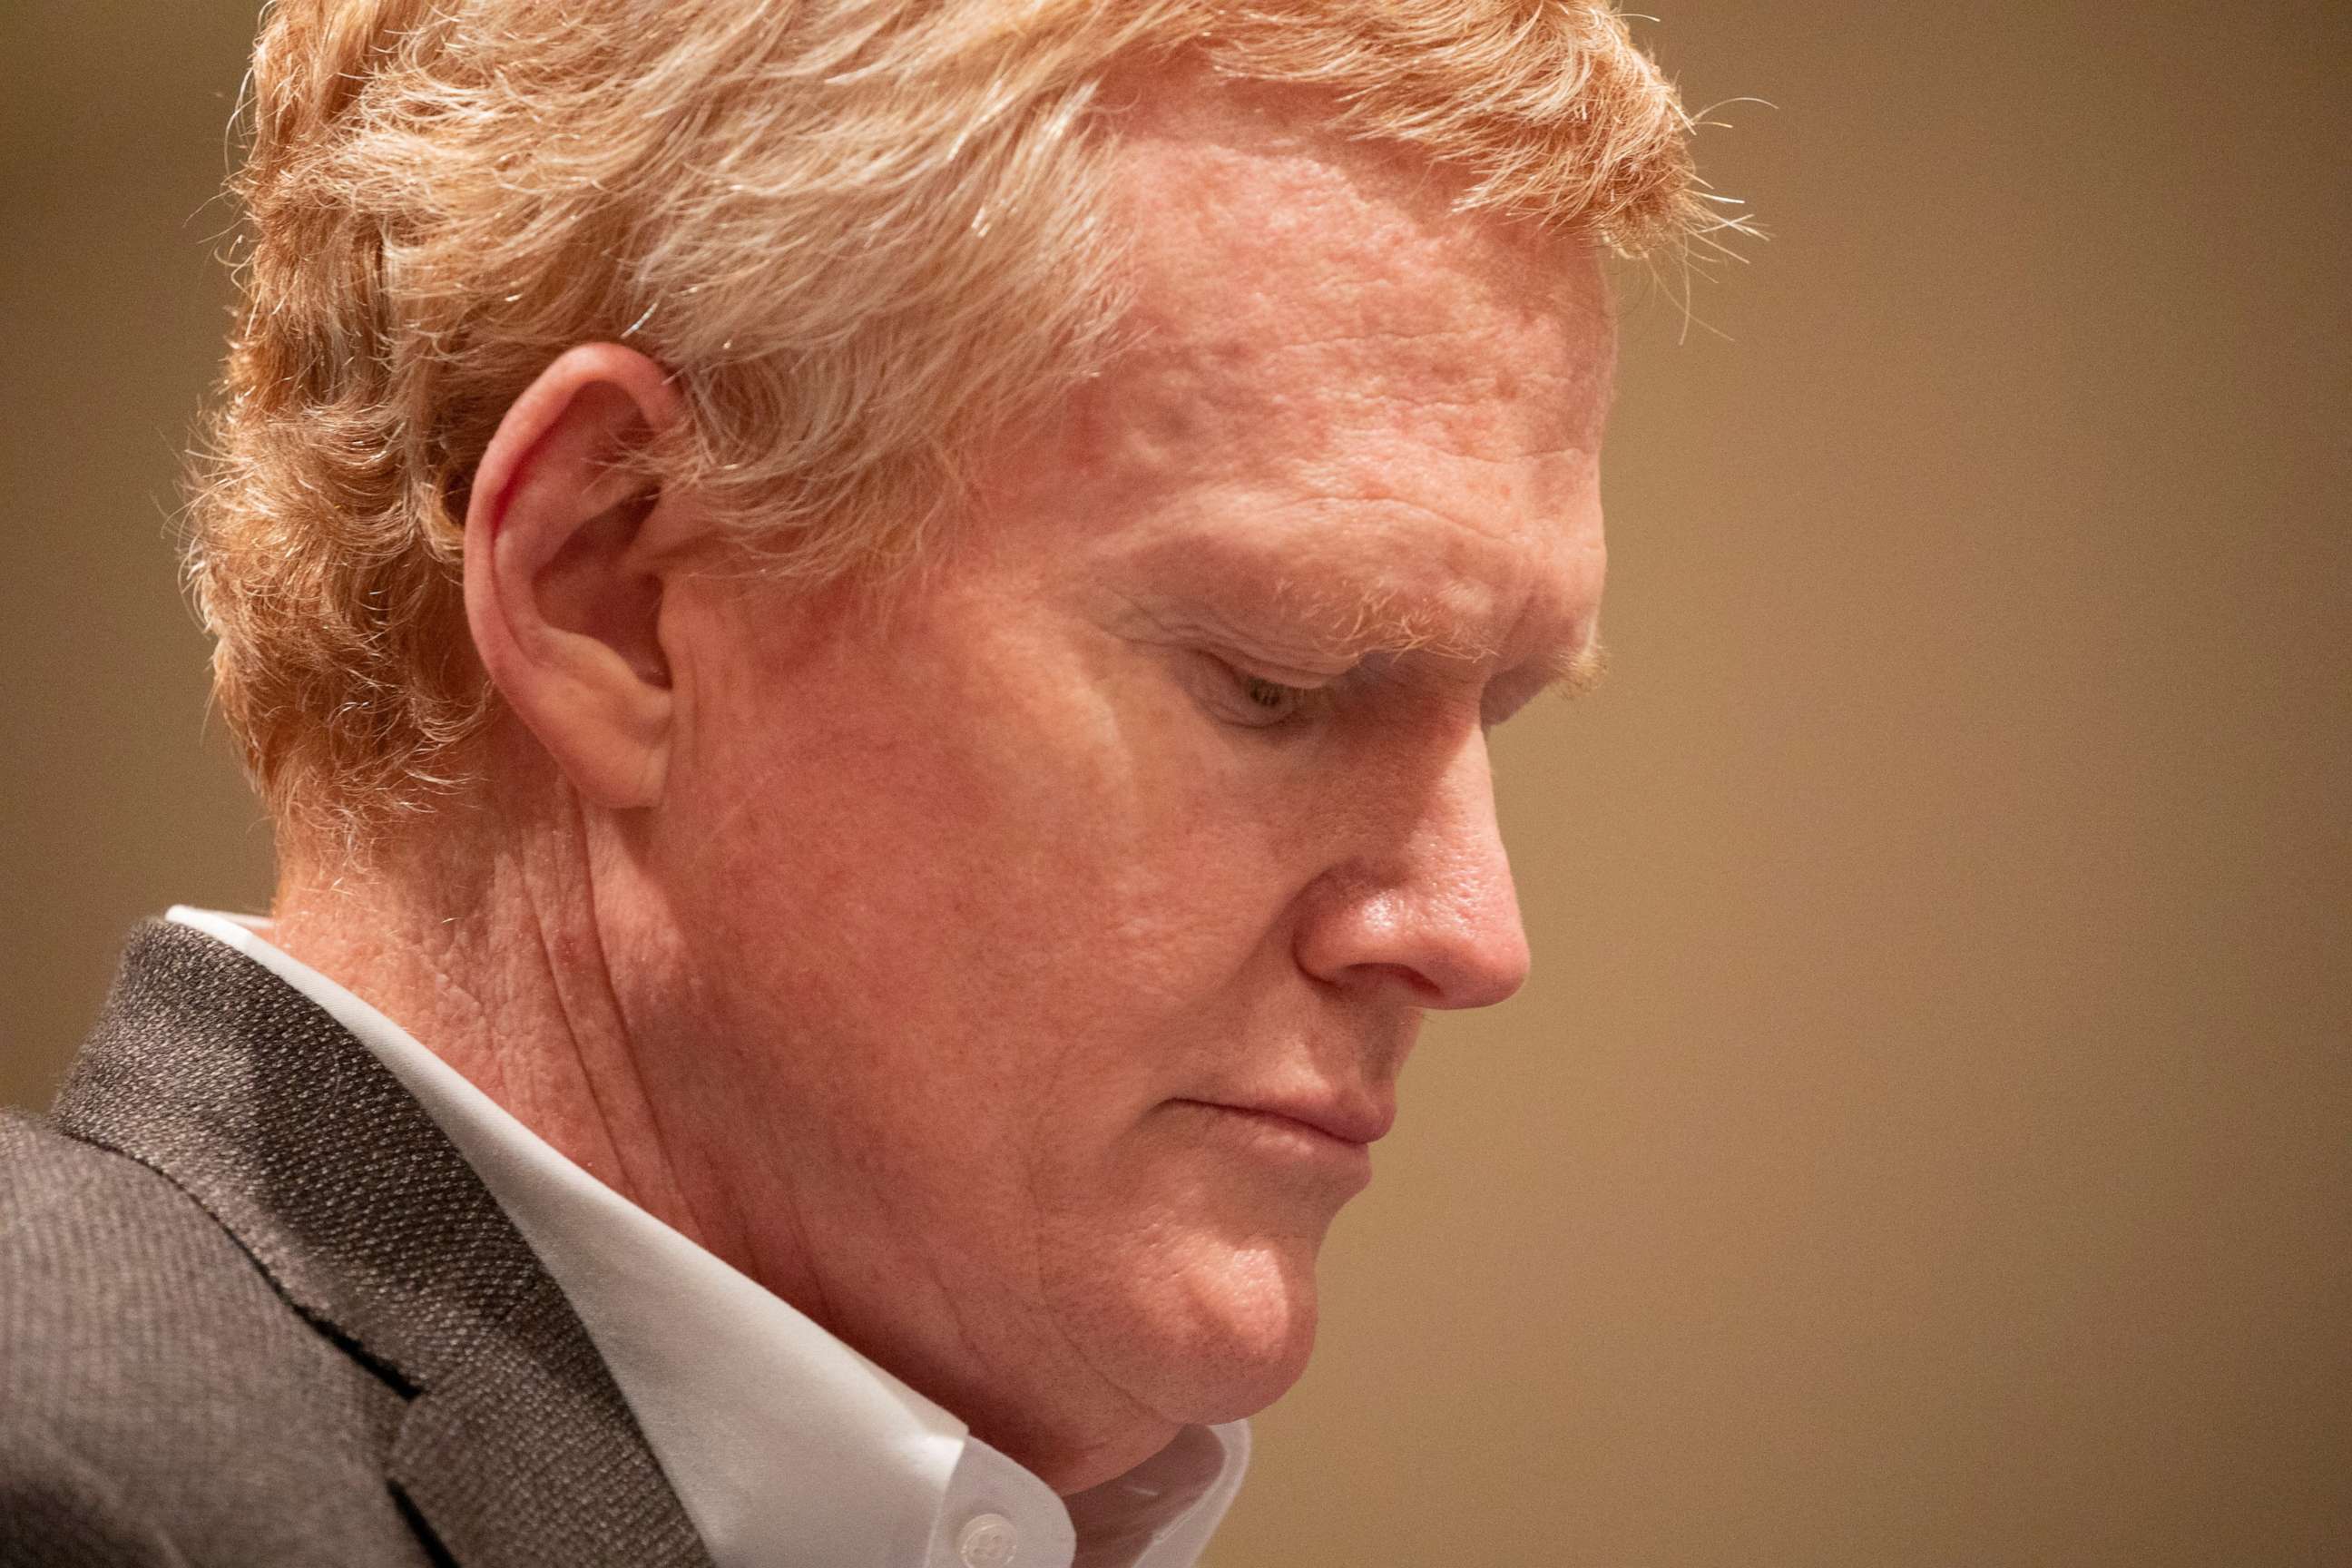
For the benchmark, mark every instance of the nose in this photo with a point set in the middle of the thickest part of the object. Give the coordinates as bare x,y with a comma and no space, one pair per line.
1423,907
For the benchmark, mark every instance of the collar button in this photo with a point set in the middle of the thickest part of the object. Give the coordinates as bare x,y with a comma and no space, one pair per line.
987,1540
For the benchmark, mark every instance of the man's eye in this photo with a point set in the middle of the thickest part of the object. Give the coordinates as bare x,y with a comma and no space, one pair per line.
1268,702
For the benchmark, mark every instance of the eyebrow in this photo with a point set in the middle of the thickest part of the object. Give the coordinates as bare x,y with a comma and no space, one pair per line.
1370,620
1574,672
1346,627
1375,622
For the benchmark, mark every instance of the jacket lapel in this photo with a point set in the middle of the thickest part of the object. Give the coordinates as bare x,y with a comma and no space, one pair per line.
511,1455
516,1447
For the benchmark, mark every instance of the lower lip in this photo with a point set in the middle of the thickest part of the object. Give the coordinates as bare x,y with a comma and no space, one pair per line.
1273,1135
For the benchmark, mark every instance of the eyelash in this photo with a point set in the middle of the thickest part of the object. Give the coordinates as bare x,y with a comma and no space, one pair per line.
1272,698
1260,703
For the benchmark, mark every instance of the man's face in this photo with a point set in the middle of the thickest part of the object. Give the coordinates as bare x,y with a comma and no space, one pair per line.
1036,962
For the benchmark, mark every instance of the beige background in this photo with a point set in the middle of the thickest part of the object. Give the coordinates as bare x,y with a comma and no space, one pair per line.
1929,1137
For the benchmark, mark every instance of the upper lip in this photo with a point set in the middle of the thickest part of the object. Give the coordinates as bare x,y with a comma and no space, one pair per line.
1352,1118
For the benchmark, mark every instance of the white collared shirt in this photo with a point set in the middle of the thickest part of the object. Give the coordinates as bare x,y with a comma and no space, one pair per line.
782,1443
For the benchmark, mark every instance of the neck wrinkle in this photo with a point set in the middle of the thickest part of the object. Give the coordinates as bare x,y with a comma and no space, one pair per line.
484,943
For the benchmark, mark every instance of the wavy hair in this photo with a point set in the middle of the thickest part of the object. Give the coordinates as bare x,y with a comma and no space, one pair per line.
862,234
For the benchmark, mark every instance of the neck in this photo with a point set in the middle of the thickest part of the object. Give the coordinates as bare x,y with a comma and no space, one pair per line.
484,935
485,947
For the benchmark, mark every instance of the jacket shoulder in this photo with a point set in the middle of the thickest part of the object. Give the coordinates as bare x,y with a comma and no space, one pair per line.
162,1401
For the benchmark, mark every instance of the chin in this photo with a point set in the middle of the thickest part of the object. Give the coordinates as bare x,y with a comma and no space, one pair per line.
1222,1334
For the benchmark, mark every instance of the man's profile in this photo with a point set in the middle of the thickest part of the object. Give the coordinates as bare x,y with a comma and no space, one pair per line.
869,629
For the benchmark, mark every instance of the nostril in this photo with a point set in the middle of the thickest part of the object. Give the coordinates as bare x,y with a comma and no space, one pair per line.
1424,991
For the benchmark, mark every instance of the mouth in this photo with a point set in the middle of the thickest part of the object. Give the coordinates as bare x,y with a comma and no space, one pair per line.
1353,1125
1317,1149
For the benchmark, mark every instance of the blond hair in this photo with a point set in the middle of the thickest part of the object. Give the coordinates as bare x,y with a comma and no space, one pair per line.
861,234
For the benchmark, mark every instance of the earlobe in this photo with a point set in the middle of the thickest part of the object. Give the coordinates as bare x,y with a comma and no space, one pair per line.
568,552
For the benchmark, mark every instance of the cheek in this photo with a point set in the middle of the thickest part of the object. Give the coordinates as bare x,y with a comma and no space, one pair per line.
1004,858
1063,826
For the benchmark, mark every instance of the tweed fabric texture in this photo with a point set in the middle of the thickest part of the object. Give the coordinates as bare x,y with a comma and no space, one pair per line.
256,1308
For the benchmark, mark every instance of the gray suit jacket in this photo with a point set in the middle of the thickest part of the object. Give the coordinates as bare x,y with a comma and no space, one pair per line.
254,1310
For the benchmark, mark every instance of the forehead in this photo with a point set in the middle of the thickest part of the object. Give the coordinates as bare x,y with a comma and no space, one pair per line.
1335,386
1274,259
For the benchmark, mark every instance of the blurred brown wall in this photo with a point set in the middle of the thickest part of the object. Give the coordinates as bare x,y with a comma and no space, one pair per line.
1929,1137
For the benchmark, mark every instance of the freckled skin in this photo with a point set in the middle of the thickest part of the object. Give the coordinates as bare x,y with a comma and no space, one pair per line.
933,983
957,914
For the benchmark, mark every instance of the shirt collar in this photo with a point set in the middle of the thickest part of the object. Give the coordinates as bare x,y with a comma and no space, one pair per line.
782,1443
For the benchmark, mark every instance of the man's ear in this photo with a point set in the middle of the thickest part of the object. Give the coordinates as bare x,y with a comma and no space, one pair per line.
568,549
